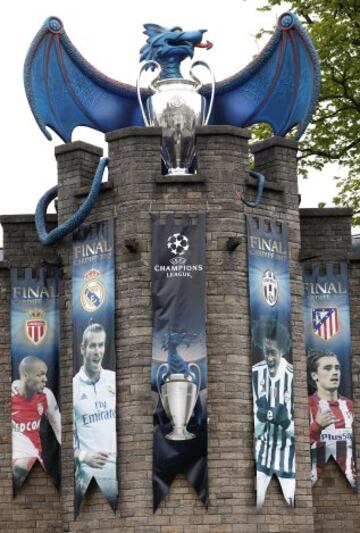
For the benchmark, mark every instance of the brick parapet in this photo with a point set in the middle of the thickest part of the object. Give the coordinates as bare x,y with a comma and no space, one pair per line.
21,244
326,233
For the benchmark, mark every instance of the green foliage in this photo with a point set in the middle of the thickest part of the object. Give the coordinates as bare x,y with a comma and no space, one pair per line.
334,134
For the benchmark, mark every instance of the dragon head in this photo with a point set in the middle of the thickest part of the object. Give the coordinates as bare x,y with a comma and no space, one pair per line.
174,337
166,45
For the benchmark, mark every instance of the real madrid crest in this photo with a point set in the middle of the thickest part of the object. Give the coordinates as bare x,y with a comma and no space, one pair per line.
92,294
36,326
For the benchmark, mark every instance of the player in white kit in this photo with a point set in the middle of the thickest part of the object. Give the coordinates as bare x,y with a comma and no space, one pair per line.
94,399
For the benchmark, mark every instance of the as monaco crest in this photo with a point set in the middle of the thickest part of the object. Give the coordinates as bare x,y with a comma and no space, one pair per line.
36,326
326,322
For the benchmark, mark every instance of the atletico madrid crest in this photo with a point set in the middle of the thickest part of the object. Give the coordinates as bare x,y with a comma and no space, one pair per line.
325,322
36,326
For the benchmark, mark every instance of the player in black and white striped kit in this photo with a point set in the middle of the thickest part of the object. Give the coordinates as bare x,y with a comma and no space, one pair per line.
272,381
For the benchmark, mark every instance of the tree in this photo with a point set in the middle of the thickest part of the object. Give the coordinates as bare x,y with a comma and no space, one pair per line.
334,134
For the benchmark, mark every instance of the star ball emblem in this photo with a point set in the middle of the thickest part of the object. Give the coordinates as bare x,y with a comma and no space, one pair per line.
178,244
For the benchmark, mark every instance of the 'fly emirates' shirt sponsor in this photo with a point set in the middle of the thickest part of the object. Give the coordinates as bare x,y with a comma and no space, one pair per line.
94,412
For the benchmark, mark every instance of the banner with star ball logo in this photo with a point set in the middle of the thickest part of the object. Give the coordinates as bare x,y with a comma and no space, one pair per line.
271,356
328,352
179,361
94,361
35,413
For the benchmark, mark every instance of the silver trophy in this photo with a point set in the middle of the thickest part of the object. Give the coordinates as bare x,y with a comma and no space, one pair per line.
177,107
178,395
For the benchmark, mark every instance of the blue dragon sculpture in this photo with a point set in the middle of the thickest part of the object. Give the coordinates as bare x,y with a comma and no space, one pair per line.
279,87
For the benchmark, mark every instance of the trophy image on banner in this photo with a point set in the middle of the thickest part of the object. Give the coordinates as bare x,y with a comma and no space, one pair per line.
179,360
178,385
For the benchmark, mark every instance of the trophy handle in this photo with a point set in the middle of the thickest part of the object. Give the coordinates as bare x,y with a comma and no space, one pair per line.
199,85
190,365
163,365
138,90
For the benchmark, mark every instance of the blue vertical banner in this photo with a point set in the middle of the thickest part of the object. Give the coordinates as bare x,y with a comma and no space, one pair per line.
35,413
94,361
179,362
328,352
271,356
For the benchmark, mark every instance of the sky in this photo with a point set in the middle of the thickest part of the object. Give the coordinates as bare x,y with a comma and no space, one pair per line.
109,35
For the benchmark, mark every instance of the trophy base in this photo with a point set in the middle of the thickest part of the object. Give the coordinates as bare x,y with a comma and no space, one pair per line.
180,434
178,171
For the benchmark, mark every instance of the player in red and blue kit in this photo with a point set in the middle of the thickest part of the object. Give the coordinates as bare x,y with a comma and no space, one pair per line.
31,400
331,417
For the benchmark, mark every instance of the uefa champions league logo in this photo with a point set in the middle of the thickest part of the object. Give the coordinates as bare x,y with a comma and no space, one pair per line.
178,244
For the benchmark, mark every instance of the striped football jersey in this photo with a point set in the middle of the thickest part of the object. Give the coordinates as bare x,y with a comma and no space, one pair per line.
274,445
334,440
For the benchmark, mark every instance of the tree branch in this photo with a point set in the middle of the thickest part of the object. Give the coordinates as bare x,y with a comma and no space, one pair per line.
324,118
328,154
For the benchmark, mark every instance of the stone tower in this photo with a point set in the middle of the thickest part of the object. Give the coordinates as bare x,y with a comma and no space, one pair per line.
135,189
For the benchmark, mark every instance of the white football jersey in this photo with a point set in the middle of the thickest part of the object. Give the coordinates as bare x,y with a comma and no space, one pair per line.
95,412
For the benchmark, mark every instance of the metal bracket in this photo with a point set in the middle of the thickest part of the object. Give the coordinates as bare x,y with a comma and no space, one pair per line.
132,245
232,243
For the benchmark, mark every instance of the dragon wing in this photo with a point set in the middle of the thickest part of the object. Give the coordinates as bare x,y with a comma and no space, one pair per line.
65,91
279,87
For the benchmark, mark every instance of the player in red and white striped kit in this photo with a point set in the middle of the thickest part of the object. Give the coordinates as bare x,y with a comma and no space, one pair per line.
331,417
30,401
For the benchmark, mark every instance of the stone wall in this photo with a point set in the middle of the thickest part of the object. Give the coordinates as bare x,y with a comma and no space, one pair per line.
135,189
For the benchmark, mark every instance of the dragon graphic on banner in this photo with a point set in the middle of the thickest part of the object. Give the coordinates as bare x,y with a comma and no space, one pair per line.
179,361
